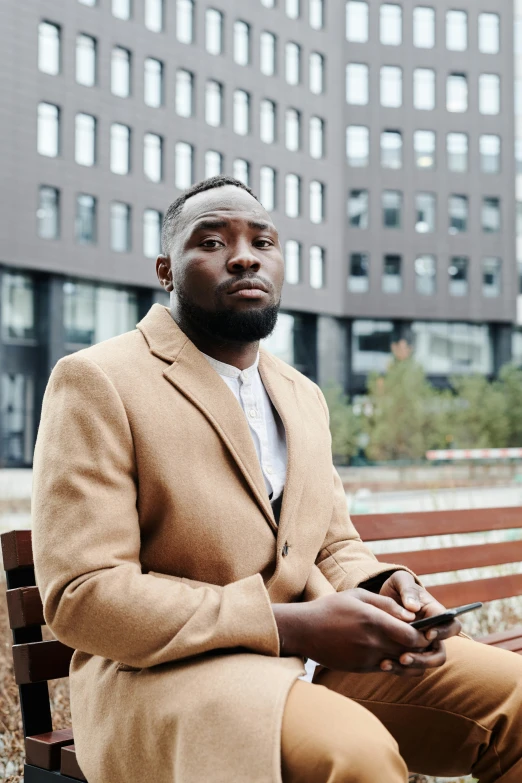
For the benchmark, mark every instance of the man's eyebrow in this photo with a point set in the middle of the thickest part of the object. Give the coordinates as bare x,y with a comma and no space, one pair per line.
261,226
210,224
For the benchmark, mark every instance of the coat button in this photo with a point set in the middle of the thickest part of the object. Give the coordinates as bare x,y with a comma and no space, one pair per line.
285,549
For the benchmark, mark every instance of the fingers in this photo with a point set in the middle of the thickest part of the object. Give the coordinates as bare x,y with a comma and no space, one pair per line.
408,590
444,631
416,663
387,605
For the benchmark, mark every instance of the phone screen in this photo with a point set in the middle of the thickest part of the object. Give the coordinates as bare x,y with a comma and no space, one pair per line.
445,617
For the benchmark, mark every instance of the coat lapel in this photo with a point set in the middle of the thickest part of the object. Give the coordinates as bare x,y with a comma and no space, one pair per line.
193,376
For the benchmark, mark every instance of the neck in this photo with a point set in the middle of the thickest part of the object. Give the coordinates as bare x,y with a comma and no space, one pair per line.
240,355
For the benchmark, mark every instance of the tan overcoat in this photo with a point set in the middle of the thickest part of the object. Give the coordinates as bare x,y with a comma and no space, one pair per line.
158,556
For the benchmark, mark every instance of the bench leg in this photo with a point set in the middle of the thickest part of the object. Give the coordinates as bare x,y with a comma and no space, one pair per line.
38,775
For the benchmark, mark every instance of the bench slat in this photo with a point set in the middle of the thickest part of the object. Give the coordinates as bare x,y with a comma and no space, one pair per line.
17,550
44,750
383,527
69,766
38,661
478,590
502,636
24,606
434,561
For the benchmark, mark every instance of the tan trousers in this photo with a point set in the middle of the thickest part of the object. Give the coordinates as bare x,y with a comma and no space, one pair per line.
465,717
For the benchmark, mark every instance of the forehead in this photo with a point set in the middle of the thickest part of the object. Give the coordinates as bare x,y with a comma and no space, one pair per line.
228,202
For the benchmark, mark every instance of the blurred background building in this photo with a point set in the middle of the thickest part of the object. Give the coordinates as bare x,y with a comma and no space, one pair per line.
380,135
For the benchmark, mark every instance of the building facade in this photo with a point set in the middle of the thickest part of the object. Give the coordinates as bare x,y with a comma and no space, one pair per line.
380,136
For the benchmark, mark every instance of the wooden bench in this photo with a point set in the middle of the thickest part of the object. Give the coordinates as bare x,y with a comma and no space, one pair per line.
50,754
385,527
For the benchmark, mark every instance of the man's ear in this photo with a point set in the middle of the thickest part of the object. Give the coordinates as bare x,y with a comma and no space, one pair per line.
164,272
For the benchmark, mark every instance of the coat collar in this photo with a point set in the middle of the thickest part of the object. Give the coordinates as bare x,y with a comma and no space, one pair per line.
193,376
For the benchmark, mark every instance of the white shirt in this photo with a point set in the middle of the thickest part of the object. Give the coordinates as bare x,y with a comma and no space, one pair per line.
266,427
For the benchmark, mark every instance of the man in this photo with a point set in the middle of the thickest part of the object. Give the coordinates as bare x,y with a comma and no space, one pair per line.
192,546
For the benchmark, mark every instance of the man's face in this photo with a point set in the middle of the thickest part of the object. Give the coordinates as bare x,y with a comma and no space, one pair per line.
226,266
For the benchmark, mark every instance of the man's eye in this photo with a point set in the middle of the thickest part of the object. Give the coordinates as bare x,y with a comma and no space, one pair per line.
211,243
263,243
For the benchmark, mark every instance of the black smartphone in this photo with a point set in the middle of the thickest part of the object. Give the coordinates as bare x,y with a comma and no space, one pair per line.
441,619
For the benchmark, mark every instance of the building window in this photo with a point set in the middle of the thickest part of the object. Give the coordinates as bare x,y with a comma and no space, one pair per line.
241,171
489,93
356,21
458,214
88,2
489,33
85,227
425,275
358,208
316,137
153,83
267,188
357,145
391,208
371,345
391,24
213,103
456,31
458,276
121,9
292,63
292,262
391,274
292,9
241,43
213,31
425,213
85,60
49,44
292,195
316,201
120,148
424,149
490,215
359,273
443,348
457,151
316,267
267,121
489,153
292,130
241,116
120,227
120,72
316,14
213,163
316,73
268,3
48,142
152,220
48,212
17,407
424,27
18,310
184,165
185,21
85,140
94,313
268,53
391,86
391,149
491,277
184,90
154,15
357,84
457,92
152,157
424,89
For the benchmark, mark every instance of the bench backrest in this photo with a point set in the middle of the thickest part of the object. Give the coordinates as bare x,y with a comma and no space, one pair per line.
385,527
35,661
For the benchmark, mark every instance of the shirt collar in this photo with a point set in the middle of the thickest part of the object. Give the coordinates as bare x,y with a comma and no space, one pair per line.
229,370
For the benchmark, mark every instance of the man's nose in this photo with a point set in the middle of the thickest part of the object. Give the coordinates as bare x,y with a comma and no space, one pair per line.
243,259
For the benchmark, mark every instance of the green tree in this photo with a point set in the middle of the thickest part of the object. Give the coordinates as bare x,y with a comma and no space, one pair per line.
479,419
345,426
510,383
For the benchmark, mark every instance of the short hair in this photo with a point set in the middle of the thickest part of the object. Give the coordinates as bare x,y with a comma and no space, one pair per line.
173,212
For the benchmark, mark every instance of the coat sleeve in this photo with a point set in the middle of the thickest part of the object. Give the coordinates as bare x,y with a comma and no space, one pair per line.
86,540
344,559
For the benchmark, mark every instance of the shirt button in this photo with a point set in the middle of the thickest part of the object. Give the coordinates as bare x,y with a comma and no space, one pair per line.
252,413
269,470
245,374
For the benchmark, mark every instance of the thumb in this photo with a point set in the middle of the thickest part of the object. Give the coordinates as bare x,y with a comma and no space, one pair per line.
387,605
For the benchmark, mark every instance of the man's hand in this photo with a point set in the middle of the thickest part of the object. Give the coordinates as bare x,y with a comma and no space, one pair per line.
354,630
402,588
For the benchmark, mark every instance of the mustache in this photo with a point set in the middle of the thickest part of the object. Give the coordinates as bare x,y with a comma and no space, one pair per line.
224,287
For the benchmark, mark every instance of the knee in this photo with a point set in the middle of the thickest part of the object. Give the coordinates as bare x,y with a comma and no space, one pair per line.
371,757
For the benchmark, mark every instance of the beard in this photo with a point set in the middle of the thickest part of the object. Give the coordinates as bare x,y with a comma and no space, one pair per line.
242,326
